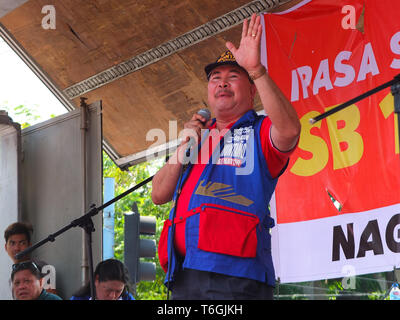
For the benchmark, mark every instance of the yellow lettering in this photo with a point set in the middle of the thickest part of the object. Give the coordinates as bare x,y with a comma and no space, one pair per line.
313,144
387,108
347,144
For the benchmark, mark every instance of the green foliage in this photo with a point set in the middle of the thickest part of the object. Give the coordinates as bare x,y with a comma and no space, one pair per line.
365,287
23,115
125,180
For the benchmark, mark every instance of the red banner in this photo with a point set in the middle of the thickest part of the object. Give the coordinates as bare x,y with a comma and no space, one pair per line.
322,54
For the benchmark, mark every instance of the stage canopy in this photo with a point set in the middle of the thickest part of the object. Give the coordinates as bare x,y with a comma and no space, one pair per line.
144,59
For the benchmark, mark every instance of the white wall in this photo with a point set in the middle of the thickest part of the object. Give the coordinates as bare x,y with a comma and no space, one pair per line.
9,204
52,191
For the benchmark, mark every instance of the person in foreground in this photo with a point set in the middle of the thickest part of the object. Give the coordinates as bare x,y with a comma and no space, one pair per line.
111,280
219,244
26,280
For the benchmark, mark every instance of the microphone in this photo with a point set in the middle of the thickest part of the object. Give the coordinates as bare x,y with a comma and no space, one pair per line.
205,113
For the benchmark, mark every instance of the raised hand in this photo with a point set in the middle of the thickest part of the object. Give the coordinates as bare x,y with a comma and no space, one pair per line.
248,54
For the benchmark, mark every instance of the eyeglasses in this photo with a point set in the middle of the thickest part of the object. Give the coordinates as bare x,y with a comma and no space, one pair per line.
24,265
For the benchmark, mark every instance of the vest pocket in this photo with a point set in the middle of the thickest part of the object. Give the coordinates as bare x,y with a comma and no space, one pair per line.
228,231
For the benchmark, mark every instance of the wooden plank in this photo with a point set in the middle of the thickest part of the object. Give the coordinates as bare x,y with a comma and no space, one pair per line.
170,90
91,36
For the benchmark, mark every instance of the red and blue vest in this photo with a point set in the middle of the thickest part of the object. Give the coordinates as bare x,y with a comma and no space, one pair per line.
227,224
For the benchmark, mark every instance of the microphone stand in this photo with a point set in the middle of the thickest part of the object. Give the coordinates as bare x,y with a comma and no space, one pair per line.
395,83
396,94
86,223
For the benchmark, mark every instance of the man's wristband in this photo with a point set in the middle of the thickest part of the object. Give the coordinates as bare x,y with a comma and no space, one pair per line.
258,73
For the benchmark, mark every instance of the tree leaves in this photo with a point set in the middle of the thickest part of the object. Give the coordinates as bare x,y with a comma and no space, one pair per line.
125,180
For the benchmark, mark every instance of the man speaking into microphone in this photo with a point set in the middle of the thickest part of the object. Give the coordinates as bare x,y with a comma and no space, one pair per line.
216,243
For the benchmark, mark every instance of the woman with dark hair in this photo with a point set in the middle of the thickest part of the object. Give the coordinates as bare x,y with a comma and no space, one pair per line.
111,281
